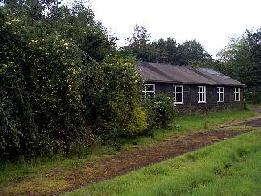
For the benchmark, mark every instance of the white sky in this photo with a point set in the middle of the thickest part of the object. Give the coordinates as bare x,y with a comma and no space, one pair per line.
211,22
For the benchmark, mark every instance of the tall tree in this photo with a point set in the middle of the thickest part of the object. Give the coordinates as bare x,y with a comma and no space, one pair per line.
78,23
75,22
35,9
241,58
139,45
164,51
192,52
167,51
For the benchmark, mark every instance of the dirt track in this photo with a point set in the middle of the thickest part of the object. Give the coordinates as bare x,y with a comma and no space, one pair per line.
127,161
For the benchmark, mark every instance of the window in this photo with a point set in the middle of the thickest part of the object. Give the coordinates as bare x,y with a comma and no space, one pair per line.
202,94
148,90
221,93
237,94
178,94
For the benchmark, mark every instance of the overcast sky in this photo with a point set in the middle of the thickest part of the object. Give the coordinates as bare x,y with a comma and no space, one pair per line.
211,22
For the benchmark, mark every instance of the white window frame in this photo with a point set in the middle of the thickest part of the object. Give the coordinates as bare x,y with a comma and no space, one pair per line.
221,94
237,92
202,91
145,89
175,93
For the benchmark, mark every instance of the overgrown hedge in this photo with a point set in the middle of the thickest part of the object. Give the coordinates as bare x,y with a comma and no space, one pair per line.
40,92
112,98
160,110
52,95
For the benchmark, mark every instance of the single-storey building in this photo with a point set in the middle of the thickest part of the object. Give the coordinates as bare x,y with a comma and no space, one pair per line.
192,88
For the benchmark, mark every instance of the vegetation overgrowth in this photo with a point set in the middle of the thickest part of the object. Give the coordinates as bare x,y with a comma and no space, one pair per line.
160,111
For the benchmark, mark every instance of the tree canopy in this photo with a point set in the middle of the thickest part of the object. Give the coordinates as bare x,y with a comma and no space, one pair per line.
164,51
241,59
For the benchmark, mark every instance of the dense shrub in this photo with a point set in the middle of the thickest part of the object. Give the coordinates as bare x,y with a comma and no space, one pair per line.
18,130
57,77
112,98
160,111
40,77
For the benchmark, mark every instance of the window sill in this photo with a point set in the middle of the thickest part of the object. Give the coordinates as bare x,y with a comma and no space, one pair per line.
178,103
202,102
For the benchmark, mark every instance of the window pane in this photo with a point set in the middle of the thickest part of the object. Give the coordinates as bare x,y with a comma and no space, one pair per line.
149,87
220,89
179,97
202,96
222,97
201,89
199,96
178,89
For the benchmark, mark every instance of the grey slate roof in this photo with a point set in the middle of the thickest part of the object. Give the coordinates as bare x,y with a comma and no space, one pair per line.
166,73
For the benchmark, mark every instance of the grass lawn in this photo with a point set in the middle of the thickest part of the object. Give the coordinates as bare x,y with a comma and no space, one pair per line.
17,172
190,124
231,167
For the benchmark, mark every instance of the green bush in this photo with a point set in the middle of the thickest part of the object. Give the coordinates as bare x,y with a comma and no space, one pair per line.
58,77
112,98
160,111
40,80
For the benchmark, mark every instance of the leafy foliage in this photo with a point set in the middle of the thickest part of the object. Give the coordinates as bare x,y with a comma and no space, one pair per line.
40,83
112,98
78,24
164,51
47,50
160,110
192,52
